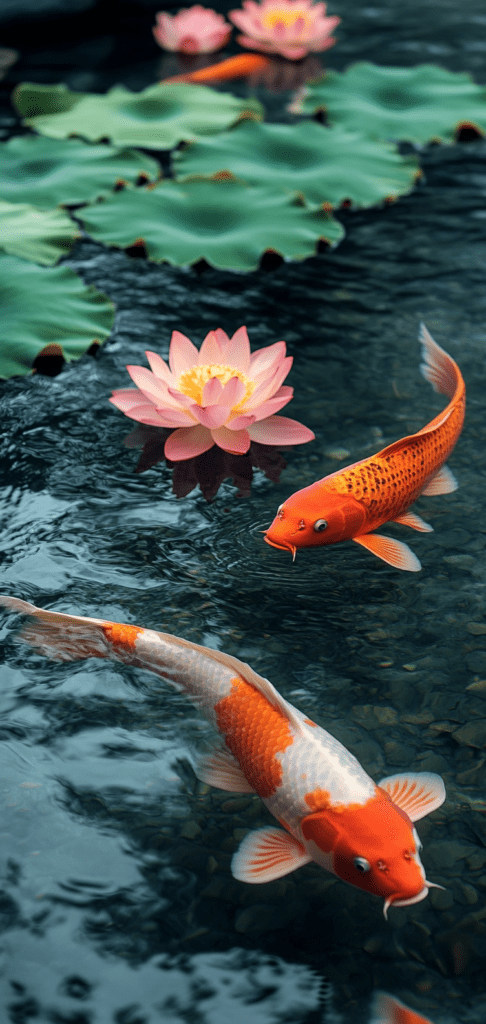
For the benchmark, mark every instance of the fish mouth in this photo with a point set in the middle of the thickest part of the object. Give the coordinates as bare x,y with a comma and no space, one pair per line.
396,902
281,547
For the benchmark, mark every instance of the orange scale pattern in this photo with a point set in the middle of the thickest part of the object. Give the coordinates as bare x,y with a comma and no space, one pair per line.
122,636
255,731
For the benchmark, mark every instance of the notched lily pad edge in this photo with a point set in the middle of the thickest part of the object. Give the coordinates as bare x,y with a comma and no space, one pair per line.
270,258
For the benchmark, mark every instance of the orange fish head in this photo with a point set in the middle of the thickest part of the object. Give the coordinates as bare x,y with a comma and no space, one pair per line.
315,516
374,847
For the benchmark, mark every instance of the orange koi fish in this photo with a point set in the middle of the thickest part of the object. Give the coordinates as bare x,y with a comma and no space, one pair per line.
330,810
388,1010
351,503
234,67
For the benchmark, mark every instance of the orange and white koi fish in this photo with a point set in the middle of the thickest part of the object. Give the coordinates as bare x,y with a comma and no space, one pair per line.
388,1010
351,503
330,809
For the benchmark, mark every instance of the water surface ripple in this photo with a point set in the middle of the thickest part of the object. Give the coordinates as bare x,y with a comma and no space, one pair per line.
117,901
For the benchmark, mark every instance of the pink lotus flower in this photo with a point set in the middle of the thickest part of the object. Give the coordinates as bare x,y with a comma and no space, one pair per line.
292,28
193,30
221,395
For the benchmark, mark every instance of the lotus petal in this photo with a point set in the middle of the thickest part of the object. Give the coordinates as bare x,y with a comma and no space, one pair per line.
194,29
273,405
268,388
237,350
159,368
213,416
212,392
233,392
280,430
210,351
187,442
237,441
182,353
265,360
241,422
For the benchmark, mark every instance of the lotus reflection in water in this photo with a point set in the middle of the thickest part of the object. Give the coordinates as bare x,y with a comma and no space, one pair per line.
209,470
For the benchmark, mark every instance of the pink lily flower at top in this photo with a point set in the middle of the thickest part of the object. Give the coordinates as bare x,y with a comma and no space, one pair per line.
222,394
292,28
193,30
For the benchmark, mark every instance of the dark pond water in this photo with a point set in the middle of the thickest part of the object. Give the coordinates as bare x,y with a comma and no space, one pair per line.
118,903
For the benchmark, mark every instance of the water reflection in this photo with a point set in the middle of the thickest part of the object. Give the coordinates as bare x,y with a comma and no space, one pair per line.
209,470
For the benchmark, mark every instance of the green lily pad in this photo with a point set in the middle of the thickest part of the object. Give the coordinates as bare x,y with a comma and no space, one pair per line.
51,172
47,306
158,118
227,223
329,165
410,104
39,235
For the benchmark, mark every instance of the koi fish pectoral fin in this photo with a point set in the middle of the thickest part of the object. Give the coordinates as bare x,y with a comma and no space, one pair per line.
414,521
392,551
444,482
267,854
221,770
416,793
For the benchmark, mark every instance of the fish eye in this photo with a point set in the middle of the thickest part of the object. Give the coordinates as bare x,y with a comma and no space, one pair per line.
320,525
362,865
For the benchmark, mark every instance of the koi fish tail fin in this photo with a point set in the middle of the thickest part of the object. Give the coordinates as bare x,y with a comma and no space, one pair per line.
438,367
63,637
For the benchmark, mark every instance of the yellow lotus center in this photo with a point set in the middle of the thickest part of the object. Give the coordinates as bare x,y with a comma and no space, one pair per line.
192,381
282,15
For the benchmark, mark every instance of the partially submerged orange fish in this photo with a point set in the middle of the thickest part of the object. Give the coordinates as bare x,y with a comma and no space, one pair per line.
241,66
330,810
351,503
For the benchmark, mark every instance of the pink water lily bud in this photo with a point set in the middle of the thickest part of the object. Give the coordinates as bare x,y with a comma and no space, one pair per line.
292,28
192,30
222,394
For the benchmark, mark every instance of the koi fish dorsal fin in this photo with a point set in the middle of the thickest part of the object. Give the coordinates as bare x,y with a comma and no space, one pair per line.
267,854
385,1009
444,482
221,770
438,367
392,551
416,793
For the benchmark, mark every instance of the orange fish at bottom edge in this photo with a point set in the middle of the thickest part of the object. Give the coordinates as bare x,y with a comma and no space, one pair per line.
386,1009
354,501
